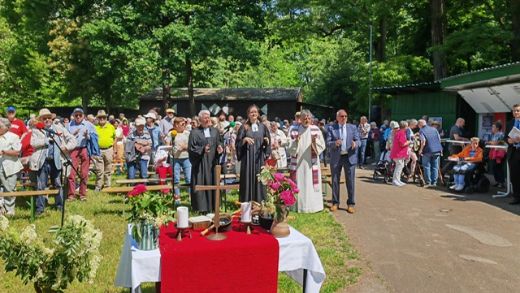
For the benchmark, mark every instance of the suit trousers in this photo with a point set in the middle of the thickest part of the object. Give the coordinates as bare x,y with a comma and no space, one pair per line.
514,171
350,176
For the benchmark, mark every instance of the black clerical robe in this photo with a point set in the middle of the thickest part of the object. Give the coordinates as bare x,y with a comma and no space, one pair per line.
203,166
252,158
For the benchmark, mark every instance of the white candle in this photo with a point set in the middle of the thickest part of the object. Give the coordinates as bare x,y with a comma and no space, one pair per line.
245,211
182,217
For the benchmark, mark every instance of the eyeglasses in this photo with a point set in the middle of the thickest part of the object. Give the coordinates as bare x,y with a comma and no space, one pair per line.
78,115
342,115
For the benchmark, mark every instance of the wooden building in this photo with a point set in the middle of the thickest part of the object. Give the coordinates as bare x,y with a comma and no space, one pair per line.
480,96
273,102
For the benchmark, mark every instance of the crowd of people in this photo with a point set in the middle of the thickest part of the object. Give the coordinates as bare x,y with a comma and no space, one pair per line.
190,147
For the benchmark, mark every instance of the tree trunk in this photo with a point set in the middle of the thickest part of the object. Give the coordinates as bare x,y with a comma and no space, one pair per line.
189,72
515,21
438,31
189,80
381,44
166,94
84,103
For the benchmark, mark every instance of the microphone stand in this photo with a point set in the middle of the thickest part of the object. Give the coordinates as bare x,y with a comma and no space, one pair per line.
66,165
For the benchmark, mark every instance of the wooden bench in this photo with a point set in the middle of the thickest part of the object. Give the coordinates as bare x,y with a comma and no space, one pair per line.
126,189
140,180
32,194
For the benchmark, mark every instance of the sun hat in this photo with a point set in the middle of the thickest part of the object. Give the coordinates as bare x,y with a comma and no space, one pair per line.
101,113
44,112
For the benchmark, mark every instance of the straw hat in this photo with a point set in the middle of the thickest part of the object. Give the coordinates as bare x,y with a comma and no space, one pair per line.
101,113
44,112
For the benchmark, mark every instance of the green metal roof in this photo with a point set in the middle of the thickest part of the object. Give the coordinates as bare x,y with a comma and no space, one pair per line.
487,76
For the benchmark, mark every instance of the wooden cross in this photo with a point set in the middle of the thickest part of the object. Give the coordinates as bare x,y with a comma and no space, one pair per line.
218,187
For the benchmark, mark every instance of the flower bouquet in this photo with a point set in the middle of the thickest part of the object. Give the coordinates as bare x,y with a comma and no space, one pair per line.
281,194
149,211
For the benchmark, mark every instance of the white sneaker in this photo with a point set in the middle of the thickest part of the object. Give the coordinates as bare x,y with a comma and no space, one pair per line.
397,183
459,188
453,186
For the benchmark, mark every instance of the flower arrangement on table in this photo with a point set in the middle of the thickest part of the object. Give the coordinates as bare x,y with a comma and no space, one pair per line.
281,193
149,211
73,254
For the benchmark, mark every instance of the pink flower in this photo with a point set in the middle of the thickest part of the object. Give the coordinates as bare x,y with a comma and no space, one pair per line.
288,197
138,189
275,185
279,177
292,183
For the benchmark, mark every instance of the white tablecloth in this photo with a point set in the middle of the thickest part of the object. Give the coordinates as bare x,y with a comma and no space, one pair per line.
137,266
297,253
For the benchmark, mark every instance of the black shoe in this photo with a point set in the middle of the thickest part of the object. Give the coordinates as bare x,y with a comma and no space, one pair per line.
515,201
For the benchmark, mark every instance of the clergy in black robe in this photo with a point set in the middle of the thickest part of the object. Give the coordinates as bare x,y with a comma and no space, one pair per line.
252,157
204,146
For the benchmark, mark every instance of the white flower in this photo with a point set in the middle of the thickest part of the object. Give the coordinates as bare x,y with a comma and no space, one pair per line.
29,234
4,223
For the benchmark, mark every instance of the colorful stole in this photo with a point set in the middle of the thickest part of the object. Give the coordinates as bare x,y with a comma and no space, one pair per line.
314,158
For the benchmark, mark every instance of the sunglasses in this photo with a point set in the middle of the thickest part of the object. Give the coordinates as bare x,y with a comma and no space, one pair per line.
78,115
47,118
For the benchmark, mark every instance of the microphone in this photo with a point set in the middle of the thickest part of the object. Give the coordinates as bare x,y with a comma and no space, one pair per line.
41,126
231,125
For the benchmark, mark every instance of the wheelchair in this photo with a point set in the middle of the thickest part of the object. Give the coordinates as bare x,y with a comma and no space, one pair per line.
475,180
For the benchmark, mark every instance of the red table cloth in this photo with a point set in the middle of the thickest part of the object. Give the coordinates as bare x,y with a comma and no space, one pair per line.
240,263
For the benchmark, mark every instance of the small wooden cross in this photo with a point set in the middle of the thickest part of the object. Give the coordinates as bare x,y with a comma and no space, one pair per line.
218,187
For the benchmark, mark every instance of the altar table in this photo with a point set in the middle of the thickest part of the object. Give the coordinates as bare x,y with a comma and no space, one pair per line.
297,256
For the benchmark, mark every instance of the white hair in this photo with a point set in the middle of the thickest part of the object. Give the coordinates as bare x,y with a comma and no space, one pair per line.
5,123
204,112
305,113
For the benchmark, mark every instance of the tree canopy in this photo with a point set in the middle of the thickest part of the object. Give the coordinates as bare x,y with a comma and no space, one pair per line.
108,53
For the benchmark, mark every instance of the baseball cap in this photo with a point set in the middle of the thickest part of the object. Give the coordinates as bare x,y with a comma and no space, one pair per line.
170,110
78,110
11,109
140,121
150,115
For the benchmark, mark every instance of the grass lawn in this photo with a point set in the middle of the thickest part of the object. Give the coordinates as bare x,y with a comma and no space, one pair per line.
109,212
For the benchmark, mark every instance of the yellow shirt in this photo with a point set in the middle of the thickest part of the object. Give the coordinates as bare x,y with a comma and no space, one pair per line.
106,135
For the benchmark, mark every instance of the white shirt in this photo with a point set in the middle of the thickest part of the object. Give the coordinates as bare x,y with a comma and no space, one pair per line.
11,164
343,134
207,133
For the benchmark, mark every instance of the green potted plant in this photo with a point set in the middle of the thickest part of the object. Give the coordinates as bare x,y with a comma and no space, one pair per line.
72,255
149,211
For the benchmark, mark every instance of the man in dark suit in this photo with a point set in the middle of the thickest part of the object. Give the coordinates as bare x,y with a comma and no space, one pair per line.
513,154
343,142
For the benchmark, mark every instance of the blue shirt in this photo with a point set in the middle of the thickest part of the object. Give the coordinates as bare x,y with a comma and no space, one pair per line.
83,127
433,140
